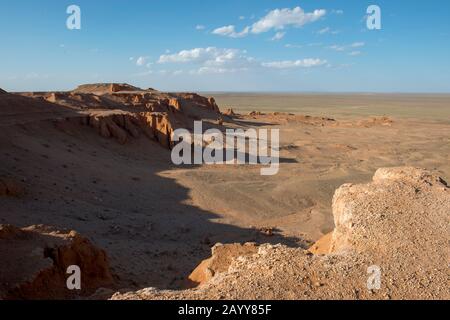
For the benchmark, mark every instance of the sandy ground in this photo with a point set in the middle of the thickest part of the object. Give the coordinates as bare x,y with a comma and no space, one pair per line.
157,221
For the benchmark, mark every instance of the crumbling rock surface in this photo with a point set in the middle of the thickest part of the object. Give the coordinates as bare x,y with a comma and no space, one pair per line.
398,224
35,261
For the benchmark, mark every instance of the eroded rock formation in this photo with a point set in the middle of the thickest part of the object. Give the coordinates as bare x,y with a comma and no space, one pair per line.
122,111
35,261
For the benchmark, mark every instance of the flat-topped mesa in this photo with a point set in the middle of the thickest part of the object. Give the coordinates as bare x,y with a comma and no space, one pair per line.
105,88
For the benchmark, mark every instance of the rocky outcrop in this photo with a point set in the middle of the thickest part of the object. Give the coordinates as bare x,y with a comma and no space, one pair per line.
2,91
220,261
398,201
394,229
35,261
123,126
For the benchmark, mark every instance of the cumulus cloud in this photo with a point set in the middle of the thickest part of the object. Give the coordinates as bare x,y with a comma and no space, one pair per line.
230,31
210,55
287,64
277,19
211,60
280,18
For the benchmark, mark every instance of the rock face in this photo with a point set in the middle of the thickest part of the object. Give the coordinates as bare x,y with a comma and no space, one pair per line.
397,225
2,91
37,259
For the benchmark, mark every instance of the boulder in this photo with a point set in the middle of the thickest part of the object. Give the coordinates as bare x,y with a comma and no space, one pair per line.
221,259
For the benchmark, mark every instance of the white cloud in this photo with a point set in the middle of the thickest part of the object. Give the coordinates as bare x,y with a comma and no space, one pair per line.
280,18
338,11
211,60
210,55
287,64
230,31
346,47
199,27
141,61
278,36
355,53
277,19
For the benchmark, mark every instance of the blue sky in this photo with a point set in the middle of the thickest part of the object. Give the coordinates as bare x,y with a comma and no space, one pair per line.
233,45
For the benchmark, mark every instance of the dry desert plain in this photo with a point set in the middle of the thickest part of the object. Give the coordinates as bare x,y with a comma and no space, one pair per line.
97,160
